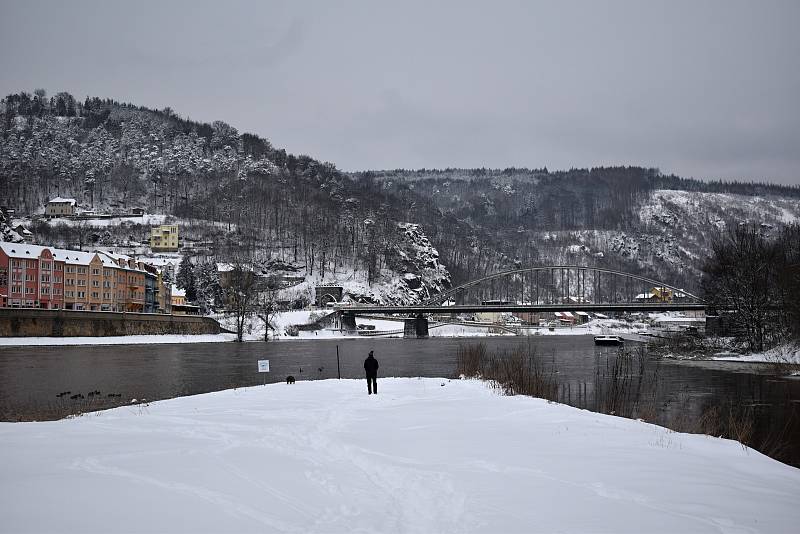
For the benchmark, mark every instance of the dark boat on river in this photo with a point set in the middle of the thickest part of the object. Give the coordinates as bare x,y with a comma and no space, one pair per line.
608,339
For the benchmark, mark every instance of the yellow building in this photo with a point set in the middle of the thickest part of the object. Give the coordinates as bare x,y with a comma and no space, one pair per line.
164,238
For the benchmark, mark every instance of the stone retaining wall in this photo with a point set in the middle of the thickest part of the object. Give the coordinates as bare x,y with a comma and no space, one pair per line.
16,322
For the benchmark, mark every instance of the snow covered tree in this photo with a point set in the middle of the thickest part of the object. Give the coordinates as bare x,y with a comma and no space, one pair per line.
207,286
224,135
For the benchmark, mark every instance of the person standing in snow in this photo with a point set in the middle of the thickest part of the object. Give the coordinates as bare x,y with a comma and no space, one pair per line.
371,367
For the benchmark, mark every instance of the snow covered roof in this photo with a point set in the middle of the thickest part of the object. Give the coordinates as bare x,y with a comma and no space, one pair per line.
115,256
121,260
74,256
178,292
60,200
224,267
19,250
680,319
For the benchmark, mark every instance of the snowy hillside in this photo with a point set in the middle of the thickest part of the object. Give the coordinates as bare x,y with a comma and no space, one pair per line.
343,228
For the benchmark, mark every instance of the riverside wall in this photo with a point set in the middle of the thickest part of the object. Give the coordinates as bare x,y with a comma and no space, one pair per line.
22,322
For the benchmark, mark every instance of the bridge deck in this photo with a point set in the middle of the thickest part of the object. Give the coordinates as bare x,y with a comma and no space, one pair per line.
571,307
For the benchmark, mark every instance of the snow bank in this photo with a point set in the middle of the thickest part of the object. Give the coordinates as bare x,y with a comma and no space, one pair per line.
425,455
785,354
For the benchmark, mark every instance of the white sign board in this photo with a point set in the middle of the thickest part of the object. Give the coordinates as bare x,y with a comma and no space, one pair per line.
263,366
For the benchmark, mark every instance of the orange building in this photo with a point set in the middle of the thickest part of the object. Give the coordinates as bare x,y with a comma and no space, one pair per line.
83,278
130,285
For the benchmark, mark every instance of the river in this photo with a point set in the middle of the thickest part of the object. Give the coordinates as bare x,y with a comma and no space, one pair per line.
32,377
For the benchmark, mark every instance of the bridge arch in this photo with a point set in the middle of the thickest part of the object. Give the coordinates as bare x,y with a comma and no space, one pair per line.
597,289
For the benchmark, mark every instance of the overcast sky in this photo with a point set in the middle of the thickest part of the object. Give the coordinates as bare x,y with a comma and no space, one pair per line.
698,88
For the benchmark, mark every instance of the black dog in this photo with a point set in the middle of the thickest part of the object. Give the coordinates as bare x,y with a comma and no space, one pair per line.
290,379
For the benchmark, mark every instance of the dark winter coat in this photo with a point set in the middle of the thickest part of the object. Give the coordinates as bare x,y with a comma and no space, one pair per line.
371,366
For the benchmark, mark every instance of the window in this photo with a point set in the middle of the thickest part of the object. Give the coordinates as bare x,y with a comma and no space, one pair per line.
81,294
45,278
95,283
28,290
81,270
46,265
106,272
29,278
31,264
81,282
59,267
95,295
16,289
96,272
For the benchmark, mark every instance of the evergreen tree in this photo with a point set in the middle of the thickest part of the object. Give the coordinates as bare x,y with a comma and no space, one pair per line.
185,279
207,286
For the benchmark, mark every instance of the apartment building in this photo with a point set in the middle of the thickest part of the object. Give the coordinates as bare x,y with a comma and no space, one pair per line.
130,281
30,276
33,276
83,279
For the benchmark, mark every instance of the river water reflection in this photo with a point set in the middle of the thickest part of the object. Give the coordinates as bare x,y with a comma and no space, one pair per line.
32,377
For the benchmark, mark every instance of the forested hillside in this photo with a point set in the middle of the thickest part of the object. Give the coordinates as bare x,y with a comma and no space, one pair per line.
630,218
330,226
273,205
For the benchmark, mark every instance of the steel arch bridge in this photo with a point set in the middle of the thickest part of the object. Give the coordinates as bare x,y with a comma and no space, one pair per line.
563,284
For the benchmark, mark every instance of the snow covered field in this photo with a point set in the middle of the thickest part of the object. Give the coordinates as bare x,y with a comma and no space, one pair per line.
425,455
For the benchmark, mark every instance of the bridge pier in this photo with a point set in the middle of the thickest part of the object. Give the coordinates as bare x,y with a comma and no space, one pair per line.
349,323
416,327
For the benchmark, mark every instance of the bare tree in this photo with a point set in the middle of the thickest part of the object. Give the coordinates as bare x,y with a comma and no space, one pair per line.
740,278
266,308
240,290
82,231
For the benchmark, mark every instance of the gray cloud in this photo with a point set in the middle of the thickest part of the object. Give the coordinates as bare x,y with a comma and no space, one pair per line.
703,89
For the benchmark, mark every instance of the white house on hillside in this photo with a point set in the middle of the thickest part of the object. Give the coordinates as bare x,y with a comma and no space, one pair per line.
60,207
